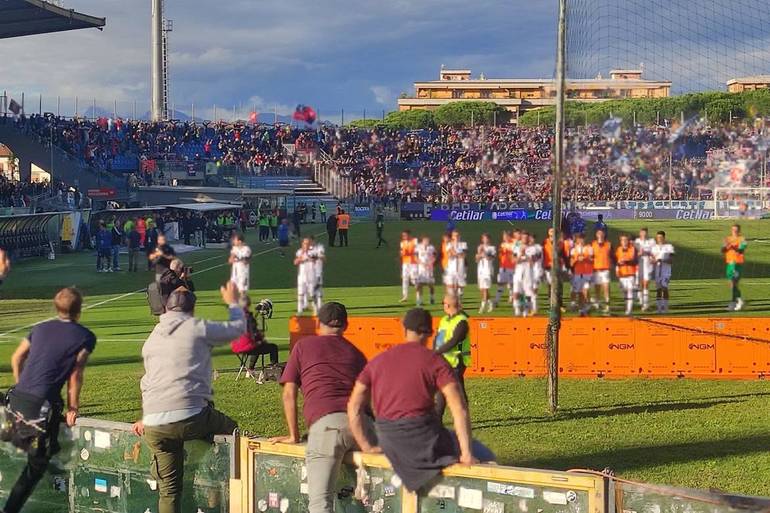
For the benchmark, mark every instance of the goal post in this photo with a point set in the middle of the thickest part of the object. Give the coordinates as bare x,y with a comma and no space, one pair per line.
741,202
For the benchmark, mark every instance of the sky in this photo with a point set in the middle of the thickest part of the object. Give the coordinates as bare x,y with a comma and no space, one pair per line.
275,54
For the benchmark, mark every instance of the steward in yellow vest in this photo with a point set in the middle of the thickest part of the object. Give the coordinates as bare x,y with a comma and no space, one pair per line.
453,341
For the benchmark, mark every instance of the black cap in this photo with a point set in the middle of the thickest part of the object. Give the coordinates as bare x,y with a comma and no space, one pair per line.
181,300
333,314
418,320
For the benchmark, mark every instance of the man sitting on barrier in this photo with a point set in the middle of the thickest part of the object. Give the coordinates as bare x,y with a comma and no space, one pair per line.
325,368
401,384
176,387
54,353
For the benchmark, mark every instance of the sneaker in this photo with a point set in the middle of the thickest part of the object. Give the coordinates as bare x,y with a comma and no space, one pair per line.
606,309
118,269
403,300
645,308
739,304
731,307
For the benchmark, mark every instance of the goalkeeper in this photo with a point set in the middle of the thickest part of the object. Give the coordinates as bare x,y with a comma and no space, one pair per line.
734,250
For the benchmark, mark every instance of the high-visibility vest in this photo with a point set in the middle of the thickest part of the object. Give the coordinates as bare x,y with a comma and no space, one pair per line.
602,254
343,222
446,329
322,208
629,254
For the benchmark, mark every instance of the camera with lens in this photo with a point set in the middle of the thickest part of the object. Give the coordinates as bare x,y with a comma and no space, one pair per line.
187,270
264,308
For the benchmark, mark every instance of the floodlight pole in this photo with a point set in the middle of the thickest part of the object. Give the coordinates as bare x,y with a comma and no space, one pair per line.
156,72
554,321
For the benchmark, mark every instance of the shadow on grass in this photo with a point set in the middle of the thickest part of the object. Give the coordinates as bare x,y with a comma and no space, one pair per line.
636,458
569,414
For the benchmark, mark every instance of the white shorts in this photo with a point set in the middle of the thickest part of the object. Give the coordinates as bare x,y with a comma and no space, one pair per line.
522,286
409,272
454,280
601,277
628,283
646,271
305,286
581,282
241,282
485,280
425,276
505,276
662,280
547,276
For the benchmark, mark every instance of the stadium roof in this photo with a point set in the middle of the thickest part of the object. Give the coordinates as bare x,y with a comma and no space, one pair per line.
29,17
204,207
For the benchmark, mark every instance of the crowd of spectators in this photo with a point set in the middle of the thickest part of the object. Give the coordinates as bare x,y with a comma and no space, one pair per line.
441,165
14,193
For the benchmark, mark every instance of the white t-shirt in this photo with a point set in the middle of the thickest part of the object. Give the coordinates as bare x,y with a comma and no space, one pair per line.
487,262
241,254
426,256
456,264
644,248
661,252
534,254
306,267
317,253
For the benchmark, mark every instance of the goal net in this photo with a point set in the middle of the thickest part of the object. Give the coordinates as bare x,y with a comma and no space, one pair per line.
742,203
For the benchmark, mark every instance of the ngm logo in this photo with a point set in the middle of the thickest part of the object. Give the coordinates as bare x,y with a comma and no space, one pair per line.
701,347
621,347
533,345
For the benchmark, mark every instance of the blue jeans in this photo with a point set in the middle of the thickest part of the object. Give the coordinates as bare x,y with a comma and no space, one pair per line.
115,252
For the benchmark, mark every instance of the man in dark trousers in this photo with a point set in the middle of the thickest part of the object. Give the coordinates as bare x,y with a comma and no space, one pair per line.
343,225
401,385
54,353
331,229
379,225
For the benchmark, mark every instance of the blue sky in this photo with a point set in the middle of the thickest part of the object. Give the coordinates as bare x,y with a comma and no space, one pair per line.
331,54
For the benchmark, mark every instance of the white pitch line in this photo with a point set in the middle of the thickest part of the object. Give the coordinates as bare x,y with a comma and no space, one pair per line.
127,294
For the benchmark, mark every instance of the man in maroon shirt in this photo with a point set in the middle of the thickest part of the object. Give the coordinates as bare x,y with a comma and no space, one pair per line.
325,368
402,383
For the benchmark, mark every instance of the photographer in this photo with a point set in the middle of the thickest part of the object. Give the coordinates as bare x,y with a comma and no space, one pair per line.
54,353
177,275
176,387
161,256
253,343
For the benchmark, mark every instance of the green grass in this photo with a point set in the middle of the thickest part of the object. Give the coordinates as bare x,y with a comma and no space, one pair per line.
689,433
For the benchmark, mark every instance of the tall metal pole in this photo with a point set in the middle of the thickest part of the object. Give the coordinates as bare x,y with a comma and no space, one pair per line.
156,71
554,321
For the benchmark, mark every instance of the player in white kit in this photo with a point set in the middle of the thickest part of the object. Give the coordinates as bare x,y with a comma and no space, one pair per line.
524,290
455,274
426,262
407,253
240,260
317,253
662,257
306,275
538,275
646,272
485,269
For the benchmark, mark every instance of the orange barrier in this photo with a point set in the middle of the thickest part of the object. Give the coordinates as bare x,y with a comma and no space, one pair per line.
659,347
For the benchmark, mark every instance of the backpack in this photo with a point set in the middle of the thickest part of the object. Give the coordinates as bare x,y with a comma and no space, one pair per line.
155,299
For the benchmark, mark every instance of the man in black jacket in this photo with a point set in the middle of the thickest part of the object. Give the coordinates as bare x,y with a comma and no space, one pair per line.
177,275
331,229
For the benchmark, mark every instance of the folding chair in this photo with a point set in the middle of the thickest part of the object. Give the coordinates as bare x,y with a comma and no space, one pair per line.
243,359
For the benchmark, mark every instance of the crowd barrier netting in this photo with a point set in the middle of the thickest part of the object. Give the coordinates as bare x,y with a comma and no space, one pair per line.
656,347
104,467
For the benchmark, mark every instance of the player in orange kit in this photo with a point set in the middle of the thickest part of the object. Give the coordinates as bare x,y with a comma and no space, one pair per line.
626,269
602,250
408,252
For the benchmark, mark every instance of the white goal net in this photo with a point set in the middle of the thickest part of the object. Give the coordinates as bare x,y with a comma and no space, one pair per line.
742,203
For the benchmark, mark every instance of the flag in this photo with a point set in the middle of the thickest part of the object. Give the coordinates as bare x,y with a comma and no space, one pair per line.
679,132
731,173
305,113
253,117
611,128
14,107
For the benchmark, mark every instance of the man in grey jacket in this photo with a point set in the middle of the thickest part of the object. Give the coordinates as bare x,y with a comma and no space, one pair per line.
176,387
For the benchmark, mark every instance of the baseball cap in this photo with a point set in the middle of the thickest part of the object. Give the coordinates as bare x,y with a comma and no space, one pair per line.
418,320
333,314
181,300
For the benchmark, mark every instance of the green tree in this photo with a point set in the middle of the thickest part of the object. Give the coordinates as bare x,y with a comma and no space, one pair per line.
474,112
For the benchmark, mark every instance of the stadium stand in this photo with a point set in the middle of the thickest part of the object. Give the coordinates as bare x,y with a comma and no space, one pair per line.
446,164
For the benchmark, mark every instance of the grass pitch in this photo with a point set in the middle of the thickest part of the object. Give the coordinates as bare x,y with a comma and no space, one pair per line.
689,433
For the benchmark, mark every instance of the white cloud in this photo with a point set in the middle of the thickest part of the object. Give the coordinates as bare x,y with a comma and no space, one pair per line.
383,95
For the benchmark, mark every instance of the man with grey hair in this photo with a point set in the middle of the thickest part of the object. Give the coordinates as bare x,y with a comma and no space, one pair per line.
176,387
